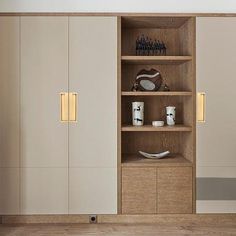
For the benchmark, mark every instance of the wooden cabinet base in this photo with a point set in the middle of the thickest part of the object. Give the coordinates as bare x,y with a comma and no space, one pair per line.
139,190
152,190
174,190
171,219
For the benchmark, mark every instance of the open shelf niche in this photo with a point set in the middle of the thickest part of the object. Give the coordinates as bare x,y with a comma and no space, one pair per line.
177,68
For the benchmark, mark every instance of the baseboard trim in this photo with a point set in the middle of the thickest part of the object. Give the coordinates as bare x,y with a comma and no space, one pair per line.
173,219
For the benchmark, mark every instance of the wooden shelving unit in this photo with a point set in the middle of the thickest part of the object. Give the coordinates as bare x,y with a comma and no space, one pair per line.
136,160
178,71
159,60
158,93
150,128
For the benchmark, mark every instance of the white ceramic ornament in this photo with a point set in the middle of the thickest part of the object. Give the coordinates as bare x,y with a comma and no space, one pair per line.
170,115
138,113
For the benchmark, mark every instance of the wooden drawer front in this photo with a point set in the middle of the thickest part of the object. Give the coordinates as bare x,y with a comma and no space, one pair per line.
139,190
174,190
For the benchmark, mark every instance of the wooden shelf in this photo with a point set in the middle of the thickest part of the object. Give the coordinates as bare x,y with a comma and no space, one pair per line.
160,60
136,160
150,128
158,93
153,22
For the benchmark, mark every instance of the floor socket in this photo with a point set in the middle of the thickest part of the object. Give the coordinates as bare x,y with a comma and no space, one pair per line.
93,219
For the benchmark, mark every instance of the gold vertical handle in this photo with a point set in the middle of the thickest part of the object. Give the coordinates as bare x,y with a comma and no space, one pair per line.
64,107
201,107
73,106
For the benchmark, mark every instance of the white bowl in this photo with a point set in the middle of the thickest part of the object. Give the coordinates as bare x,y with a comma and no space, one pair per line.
158,123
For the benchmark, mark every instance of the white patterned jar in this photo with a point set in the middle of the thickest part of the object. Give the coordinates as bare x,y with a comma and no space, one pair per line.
170,115
138,113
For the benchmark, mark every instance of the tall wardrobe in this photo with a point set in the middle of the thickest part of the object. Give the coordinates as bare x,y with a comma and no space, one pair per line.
59,115
67,144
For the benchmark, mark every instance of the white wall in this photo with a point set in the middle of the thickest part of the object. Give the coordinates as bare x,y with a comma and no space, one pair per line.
169,6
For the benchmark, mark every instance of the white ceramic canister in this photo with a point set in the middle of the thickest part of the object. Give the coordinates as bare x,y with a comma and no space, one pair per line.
170,115
138,113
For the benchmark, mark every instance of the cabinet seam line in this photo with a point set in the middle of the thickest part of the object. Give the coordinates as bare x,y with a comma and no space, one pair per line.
68,124
20,108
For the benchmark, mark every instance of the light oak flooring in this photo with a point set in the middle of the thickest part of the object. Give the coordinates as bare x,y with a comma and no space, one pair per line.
115,229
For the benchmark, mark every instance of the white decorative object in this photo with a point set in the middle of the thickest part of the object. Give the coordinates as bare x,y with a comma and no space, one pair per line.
154,155
158,123
137,113
170,115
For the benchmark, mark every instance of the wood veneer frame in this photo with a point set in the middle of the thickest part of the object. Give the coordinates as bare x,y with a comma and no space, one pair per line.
189,25
119,188
117,14
164,219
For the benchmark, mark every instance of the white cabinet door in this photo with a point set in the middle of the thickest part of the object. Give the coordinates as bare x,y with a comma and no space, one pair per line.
44,139
216,162
44,74
93,191
10,113
93,137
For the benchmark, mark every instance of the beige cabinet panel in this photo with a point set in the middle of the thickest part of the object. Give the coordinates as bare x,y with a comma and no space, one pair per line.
44,190
44,74
9,91
9,191
174,193
93,75
139,189
216,60
92,191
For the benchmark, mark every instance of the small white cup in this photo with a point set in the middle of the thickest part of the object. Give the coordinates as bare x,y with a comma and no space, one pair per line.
170,115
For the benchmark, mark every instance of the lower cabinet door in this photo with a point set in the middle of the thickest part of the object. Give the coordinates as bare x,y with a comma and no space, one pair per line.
92,191
174,190
139,189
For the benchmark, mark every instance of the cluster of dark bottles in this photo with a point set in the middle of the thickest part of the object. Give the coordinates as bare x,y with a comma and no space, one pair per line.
145,46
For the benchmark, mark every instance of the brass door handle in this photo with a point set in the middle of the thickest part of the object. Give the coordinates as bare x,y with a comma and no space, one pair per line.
68,105
73,97
64,107
201,107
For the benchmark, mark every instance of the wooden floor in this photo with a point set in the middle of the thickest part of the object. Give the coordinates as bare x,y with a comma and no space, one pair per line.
115,229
